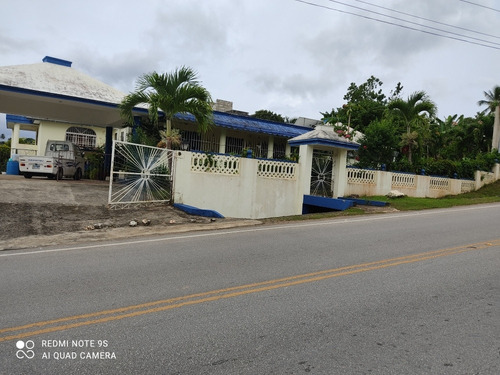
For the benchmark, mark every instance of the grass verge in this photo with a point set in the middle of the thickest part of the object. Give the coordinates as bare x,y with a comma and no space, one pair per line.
488,194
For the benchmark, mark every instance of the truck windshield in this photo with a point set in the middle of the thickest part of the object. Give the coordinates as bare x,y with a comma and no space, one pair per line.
59,147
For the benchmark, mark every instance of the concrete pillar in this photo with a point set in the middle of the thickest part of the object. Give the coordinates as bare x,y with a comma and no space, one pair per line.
305,166
270,147
14,145
288,150
496,130
108,149
339,172
496,171
222,142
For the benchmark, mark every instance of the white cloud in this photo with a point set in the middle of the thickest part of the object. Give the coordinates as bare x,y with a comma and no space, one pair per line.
281,55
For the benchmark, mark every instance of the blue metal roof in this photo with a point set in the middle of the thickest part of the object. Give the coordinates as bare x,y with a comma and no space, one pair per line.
250,124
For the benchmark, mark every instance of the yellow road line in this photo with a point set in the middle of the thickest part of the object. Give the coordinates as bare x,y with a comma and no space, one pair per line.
197,298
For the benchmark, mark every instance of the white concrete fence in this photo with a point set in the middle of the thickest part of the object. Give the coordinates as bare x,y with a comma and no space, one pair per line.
259,188
365,182
237,187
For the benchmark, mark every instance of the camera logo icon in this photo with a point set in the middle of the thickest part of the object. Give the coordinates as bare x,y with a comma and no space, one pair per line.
25,349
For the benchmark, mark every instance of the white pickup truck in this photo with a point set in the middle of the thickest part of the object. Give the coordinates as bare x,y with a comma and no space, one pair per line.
62,159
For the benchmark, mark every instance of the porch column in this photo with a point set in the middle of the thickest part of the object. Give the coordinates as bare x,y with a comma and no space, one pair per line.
288,150
108,149
14,143
305,166
222,142
339,172
270,147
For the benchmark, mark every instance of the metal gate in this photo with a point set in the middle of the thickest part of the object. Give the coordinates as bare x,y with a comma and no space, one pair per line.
322,174
140,174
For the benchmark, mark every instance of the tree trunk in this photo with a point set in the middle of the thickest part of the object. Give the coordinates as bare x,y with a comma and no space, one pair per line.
169,134
410,141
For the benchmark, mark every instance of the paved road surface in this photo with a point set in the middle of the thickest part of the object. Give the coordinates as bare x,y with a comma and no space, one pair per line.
405,293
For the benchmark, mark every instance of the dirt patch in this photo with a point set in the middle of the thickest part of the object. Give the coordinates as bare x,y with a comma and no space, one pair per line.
27,219
40,212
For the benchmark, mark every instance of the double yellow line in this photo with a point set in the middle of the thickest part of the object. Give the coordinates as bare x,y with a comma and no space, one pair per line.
62,324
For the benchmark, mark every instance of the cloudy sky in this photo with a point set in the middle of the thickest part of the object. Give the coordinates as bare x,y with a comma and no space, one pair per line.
291,57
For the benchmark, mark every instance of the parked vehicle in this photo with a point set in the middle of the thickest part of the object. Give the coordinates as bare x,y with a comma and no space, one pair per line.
62,159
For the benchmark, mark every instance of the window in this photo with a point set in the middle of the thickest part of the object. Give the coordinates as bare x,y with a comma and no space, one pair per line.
59,147
234,145
83,137
279,150
193,139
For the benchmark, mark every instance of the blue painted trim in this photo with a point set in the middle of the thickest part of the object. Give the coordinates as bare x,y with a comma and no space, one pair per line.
325,142
241,157
197,211
55,60
18,119
280,160
365,202
324,202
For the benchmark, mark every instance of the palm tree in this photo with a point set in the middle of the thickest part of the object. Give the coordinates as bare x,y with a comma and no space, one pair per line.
493,102
177,92
413,112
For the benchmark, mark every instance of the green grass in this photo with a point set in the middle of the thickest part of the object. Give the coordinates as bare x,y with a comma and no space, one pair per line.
488,194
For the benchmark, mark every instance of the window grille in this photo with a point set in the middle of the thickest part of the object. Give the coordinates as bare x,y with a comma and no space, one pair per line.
83,137
197,142
234,145
259,148
279,150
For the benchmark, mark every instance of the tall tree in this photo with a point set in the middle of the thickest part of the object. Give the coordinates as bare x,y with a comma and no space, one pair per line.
378,144
493,102
365,103
171,93
415,113
265,114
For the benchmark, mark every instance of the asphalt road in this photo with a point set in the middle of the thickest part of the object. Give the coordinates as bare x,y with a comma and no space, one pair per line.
403,293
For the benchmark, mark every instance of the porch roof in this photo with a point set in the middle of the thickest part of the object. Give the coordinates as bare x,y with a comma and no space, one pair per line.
53,90
324,135
250,124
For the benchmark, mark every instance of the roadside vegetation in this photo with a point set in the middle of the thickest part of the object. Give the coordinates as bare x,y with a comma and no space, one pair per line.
405,134
487,194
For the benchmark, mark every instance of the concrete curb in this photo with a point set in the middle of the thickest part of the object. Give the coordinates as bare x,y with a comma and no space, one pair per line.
110,234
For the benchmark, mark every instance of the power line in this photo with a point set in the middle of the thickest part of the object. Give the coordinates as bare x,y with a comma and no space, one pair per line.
480,5
427,19
399,25
412,23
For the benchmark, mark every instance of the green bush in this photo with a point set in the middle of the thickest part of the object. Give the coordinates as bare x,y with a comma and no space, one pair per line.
4,157
464,168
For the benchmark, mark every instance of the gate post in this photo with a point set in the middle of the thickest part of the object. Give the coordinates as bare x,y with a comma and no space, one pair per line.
339,172
305,166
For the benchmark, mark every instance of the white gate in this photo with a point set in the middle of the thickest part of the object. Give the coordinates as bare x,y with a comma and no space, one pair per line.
322,174
140,174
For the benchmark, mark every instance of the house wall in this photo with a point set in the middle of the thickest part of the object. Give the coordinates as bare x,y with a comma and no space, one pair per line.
49,130
237,187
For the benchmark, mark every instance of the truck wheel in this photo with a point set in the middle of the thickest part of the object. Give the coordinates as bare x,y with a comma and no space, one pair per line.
60,174
27,175
78,174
